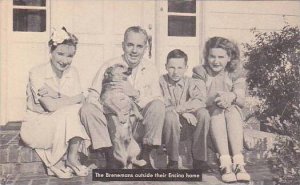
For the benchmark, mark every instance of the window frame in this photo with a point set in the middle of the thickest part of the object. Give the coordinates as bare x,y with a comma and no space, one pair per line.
182,14
23,36
199,14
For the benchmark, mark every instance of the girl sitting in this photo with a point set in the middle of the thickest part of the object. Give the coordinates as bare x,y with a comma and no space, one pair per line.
225,86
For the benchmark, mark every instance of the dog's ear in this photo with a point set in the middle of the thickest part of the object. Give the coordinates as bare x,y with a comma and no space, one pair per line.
108,74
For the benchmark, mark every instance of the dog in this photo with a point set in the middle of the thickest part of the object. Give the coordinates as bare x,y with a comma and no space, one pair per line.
125,112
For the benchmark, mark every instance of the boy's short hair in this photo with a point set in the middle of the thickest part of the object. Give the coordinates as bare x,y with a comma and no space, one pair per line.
177,53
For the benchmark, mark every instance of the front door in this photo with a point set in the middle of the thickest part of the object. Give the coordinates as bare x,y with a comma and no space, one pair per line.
179,26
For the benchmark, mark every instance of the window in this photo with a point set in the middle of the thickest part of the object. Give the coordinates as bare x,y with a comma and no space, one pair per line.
182,18
29,15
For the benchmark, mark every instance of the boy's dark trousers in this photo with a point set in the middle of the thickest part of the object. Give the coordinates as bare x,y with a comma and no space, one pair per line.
173,134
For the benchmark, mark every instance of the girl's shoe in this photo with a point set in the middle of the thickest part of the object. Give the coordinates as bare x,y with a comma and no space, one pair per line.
241,173
227,174
60,173
80,170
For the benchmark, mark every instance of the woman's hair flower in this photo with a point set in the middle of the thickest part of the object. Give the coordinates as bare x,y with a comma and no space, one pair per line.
62,36
58,36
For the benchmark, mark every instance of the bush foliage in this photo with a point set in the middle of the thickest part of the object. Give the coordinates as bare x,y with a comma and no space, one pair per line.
273,75
273,64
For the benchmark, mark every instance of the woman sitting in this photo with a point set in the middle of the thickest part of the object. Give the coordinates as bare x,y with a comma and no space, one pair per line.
52,125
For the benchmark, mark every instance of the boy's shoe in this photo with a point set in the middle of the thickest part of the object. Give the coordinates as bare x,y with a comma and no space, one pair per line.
227,174
172,165
241,173
198,164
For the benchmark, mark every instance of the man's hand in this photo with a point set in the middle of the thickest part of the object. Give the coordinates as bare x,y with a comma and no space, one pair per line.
47,91
191,119
126,88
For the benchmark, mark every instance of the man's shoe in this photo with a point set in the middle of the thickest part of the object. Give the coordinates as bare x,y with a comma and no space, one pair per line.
145,155
147,166
111,162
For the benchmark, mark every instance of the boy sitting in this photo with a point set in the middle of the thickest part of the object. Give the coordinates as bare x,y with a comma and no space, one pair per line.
185,110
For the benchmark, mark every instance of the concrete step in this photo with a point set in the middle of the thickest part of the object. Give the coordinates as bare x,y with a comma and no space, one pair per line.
257,145
15,158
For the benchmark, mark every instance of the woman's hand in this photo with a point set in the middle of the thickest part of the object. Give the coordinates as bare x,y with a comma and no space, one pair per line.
47,91
224,99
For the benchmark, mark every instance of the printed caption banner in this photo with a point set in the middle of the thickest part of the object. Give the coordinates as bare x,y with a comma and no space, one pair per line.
146,175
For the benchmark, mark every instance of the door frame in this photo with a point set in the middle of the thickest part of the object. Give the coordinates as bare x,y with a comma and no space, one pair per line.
164,41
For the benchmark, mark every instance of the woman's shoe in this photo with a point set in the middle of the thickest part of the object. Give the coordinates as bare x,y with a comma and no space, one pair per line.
65,170
60,173
227,174
50,172
241,173
81,170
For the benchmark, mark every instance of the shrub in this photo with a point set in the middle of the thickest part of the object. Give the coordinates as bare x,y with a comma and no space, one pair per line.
273,75
273,64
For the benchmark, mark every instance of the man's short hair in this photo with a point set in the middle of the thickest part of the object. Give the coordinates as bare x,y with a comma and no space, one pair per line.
177,53
136,29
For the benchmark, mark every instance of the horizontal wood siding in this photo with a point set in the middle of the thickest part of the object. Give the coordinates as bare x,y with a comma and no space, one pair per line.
235,19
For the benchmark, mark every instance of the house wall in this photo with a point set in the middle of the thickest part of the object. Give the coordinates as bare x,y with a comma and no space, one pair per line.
232,19
235,19
3,61
97,25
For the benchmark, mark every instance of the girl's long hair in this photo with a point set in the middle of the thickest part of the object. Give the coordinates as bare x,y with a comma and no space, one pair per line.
231,48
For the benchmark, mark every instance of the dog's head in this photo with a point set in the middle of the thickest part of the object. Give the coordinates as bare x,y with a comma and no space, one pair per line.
116,73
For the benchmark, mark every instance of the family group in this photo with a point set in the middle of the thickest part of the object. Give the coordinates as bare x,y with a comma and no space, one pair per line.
130,109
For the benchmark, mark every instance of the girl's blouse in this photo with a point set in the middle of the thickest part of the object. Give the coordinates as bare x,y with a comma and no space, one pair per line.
222,82
42,75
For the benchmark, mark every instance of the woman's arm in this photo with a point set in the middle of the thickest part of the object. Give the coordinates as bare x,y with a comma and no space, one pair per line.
51,100
51,104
